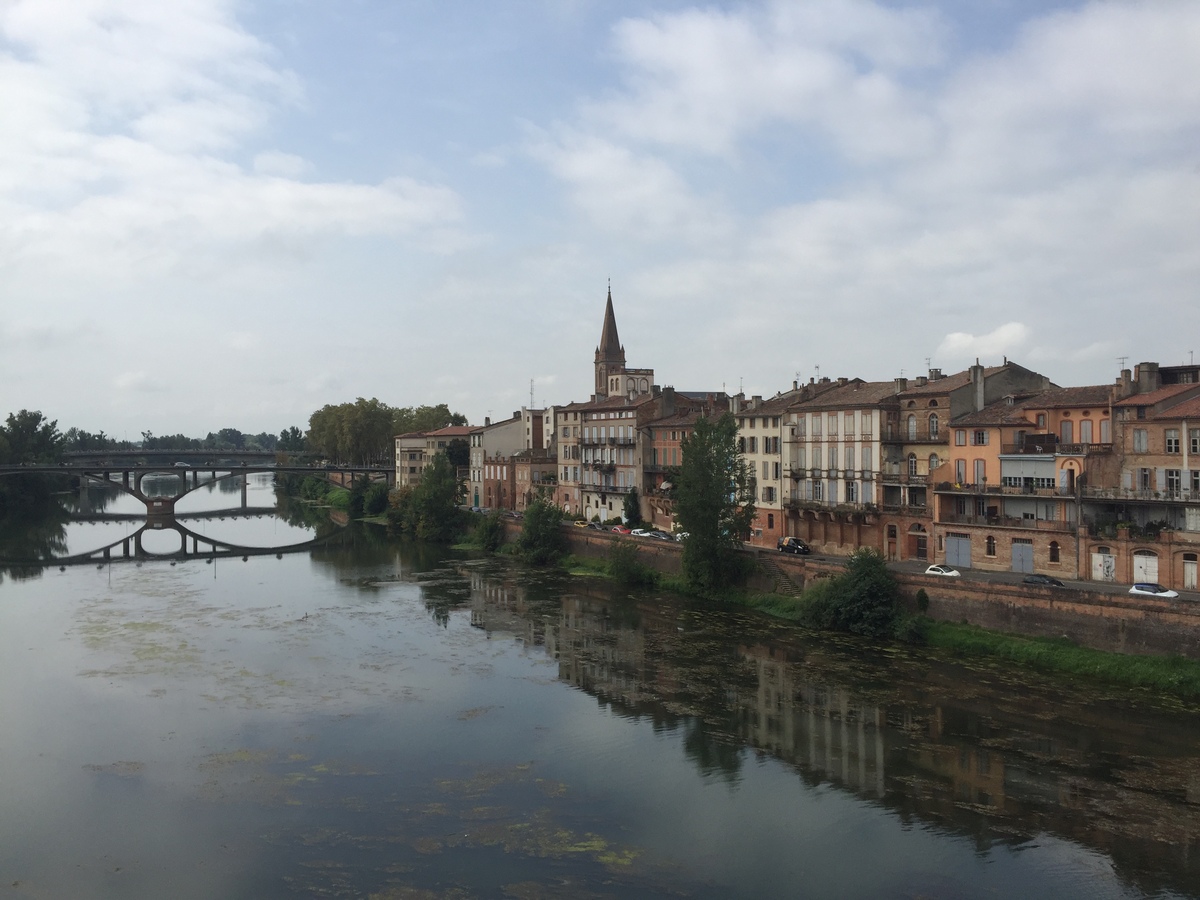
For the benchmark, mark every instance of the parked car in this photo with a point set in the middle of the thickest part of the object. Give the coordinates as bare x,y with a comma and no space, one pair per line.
681,536
640,532
1045,580
1150,589
597,526
580,523
620,529
661,536
792,545
943,570
181,465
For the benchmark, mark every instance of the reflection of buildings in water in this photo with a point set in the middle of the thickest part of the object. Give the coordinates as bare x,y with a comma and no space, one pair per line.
998,762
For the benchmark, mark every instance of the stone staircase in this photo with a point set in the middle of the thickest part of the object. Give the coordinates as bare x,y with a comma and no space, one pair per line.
782,582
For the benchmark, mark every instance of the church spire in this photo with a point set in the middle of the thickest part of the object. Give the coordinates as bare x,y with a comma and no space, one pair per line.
610,355
610,348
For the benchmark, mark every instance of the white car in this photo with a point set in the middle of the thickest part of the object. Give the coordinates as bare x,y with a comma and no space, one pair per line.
1150,589
943,570
640,532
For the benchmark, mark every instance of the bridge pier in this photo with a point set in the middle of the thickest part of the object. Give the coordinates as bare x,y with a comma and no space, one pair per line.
245,480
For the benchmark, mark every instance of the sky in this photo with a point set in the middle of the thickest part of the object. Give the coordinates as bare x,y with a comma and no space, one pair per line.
229,213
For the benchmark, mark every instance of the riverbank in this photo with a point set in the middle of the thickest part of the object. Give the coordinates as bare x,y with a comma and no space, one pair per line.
1168,675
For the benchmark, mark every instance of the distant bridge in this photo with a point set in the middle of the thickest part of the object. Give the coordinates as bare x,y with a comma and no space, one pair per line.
133,474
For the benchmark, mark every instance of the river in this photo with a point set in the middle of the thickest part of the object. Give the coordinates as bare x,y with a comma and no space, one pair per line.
372,719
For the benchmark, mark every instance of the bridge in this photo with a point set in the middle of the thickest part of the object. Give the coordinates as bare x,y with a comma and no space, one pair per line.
129,476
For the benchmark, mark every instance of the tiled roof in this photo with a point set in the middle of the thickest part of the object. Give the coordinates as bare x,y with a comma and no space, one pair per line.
945,384
1071,397
852,394
1185,409
999,413
453,431
1166,392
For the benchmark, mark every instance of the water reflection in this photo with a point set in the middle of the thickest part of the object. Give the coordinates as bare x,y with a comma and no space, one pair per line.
1004,759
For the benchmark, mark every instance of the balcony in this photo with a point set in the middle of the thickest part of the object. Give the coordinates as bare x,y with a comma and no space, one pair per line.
1010,490
1168,496
916,437
903,478
1009,522
1053,448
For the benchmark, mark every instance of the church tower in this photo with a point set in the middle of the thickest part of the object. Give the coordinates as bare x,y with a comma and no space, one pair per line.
610,355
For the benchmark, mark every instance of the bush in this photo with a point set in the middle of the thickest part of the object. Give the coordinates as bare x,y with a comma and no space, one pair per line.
922,601
541,541
377,499
625,567
488,533
864,600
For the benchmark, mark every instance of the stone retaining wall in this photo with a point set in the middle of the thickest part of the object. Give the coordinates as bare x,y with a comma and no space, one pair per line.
1117,622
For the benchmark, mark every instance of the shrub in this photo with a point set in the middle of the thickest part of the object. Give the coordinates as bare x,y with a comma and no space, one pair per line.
922,601
625,567
488,532
541,541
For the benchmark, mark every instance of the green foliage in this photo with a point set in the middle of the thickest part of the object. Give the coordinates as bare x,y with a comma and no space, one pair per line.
1173,675
922,601
376,500
542,541
714,504
633,509
31,438
864,600
358,497
488,533
626,568
429,510
459,452
291,440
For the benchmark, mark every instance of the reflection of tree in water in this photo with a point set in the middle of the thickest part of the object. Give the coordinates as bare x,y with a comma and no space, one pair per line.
36,534
713,754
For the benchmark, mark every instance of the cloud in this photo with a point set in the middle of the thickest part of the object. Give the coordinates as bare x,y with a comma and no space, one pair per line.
707,79
285,165
1002,341
138,382
125,120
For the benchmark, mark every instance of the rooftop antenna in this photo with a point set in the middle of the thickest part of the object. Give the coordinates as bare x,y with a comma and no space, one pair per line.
1121,360
531,393
928,362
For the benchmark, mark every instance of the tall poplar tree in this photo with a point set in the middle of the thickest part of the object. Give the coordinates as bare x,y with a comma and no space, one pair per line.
714,502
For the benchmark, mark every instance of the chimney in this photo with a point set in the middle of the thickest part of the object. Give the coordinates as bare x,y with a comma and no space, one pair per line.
796,385
901,384
487,420
922,381
842,381
977,386
756,401
935,374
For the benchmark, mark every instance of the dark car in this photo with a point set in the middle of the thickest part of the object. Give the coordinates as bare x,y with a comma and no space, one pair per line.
1044,580
792,545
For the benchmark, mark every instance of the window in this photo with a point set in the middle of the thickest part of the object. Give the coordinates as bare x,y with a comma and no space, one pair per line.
849,458
1054,551
911,424
960,437
818,489
1143,479
912,464
816,426
1105,431
960,471
1067,432
1041,420
833,423
768,495
979,437
934,462
851,491
1139,440
1085,431
753,444
1194,440
816,457
980,471
933,426
990,546
770,520
1172,440
1174,482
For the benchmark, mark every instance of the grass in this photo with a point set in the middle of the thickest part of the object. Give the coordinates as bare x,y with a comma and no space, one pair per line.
1173,675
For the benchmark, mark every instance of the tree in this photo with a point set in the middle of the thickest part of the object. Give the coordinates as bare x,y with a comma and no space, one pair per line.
459,452
31,438
864,600
430,510
633,509
714,503
541,541
291,439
